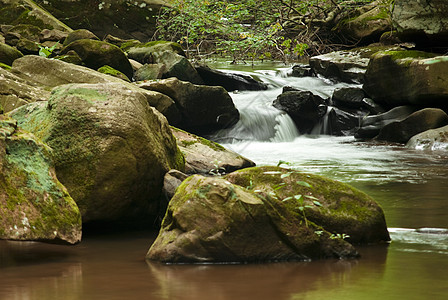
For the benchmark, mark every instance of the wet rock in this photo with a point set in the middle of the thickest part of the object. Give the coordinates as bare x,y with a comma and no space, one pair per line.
204,109
348,97
95,54
305,108
341,123
433,139
420,121
424,22
301,71
111,149
206,157
229,81
211,220
34,205
8,54
407,77
371,125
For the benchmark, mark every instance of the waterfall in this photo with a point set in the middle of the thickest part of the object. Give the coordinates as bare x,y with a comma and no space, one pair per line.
323,127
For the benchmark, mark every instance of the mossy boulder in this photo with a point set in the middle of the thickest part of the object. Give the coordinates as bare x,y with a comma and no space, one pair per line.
111,148
8,54
340,208
368,23
204,109
34,205
27,31
112,72
95,54
17,12
433,139
210,220
419,121
206,157
79,34
144,52
16,91
407,77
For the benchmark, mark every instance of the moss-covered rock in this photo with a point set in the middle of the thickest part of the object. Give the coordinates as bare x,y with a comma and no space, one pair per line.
34,205
95,54
112,72
206,157
17,12
212,220
111,148
340,208
79,34
8,54
407,77
204,109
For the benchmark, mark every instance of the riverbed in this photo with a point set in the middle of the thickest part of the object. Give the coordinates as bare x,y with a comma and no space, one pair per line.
410,185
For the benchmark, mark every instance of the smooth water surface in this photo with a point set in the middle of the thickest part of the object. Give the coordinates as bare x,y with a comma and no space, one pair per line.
411,186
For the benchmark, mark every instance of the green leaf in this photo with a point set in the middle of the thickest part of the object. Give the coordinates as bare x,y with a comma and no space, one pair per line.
317,203
286,199
286,175
297,197
303,183
311,197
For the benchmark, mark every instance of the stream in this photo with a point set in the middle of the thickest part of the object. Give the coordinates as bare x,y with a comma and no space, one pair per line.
410,185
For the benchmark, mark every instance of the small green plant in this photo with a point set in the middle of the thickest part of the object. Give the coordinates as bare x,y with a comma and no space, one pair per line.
45,51
342,236
217,170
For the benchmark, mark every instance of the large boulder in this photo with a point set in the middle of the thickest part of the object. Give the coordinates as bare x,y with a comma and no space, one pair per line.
8,54
95,54
79,34
433,139
407,77
347,66
122,18
211,220
111,148
17,12
305,108
204,109
207,157
424,22
15,91
34,205
370,126
420,121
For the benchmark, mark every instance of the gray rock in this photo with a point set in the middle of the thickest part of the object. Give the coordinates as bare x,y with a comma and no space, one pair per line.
433,139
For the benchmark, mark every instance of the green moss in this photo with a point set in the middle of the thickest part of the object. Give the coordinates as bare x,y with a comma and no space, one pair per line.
4,66
198,139
395,55
86,94
113,72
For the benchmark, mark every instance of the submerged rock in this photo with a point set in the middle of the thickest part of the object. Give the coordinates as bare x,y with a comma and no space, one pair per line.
34,205
417,122
111,148
206,157
433,139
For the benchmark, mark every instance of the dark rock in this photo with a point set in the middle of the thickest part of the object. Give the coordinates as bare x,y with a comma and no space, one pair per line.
301,71
27,31
407,77
96,54
12,38
305,108
80,34
203,108
371,125
171,181
150,72
229,81
373,107
342,123
8,54
349,97
27,47
52,35
433,139
420,121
